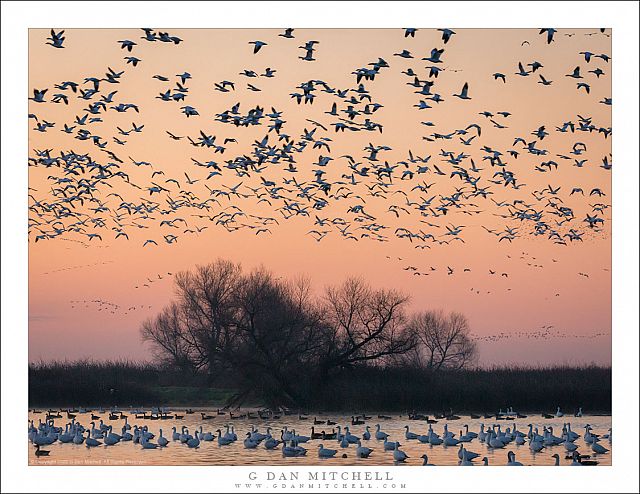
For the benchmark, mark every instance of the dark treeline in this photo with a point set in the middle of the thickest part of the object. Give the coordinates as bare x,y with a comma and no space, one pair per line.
272,343
284,346
89,383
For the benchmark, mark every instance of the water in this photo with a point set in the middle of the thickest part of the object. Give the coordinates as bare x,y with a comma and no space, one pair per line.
209,453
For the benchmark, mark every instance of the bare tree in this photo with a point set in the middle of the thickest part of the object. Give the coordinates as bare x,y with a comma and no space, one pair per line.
165,332
443,340
281,337
201,326
272,339
363,325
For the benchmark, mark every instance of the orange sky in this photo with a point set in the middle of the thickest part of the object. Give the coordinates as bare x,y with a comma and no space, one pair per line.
63,269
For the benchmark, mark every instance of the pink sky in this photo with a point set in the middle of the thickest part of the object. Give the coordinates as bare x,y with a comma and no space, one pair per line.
64,270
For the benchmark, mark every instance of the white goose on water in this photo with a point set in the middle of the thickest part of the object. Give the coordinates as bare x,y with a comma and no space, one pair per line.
250,443
126,436
223,440
494,442
325,452
344,443
363,451
390,445
66,436
144,442
78,438
162,441
465,462
468,433
535,445
408,434
598,448
366,435
575,460
91,442
176,435
482,435
466,454
398,455
380,436
110,439
464,438
351,438
293,450
511,460
271,443
206,436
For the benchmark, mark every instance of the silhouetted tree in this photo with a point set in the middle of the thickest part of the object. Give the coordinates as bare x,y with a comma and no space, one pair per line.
277,342
443,340
363,325
199,328
280,334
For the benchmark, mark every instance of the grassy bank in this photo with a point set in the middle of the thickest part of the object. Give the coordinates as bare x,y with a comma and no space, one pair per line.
481,390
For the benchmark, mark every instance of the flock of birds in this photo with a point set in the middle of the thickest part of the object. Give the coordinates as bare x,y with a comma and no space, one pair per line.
102,192
345,443
545,333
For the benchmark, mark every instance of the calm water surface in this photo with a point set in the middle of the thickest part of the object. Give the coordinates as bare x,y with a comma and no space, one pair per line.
209,453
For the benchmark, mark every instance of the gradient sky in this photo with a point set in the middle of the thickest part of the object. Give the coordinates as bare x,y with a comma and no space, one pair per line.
70,268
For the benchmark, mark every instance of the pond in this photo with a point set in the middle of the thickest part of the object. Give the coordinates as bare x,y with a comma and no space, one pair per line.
211,453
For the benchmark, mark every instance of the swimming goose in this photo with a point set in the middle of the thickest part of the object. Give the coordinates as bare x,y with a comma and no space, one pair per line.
464,438
66,436
451,441
493,441
363,451
380,436
325,452
511,460
144,442
343,442
598,448
300,439
271,443
41,452
78,438
390,445
110,439
408,434
293,451
176,435
425,461
366,435
249,442
468,433
91,442
352,439
465,462
398,455
466,454
223,440
535,446
162,441
576,460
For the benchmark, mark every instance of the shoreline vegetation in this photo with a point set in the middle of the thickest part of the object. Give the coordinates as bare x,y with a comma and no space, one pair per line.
88,383
236,338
